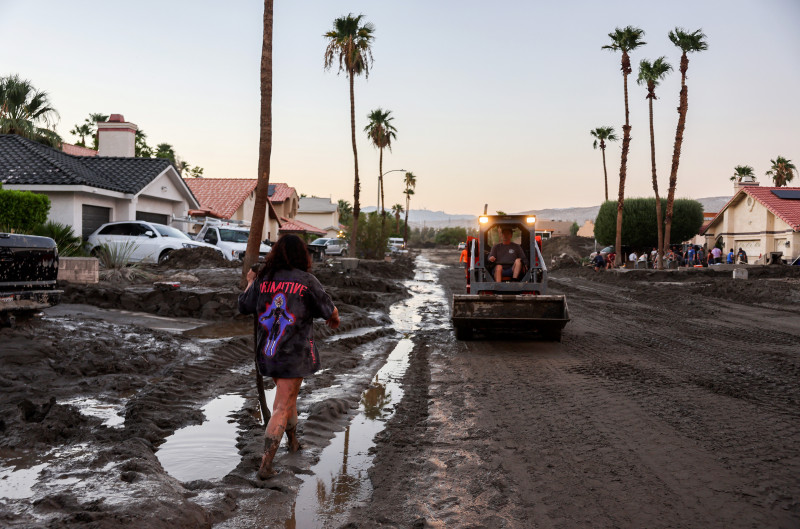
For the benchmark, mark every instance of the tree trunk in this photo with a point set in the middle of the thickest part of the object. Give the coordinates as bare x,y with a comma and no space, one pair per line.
605,172
405,228
264,149
626,141
357,183
659,218
380,184
676,153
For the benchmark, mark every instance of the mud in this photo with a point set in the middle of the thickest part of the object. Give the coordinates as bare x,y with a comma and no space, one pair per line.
672,401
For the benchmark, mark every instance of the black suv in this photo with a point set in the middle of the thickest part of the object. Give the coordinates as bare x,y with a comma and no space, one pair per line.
28,273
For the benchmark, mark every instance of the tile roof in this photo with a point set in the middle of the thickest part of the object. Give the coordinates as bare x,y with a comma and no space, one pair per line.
279,192
222,196
316,205
295,226
77,150
24,162
786,209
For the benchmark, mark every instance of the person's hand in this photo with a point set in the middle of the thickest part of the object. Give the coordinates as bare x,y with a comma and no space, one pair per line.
251,276
492,258
333,321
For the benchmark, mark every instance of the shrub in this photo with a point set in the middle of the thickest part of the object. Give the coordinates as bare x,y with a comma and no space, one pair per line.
69,245
22,211
639,226
372,243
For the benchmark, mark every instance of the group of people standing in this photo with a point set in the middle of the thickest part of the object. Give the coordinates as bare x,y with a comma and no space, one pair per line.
693,255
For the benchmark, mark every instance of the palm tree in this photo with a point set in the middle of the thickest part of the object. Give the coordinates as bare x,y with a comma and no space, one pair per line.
345,212
381,132
782,171
264,148
651,74
688,43
603,134
351,42
411,183
141,148
397,209
742,171
82,131
625,40
27,112
165,150
93,119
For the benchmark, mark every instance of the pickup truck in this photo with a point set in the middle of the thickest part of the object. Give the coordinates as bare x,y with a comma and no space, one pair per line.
28,274
230,238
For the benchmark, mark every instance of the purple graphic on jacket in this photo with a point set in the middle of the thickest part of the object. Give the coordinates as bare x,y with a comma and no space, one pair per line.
275,320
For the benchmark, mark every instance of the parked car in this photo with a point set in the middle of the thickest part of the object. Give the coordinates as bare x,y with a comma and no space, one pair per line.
324,246
28,274
230,238
150,242
462,245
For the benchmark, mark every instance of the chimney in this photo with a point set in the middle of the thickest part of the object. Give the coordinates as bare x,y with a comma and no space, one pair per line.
745,181
116,137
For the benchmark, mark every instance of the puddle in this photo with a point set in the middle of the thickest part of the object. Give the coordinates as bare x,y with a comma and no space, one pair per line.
110,413
361,331
20,469
204,451
340,478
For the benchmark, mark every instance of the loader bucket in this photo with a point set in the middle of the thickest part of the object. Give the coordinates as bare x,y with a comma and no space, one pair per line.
545,315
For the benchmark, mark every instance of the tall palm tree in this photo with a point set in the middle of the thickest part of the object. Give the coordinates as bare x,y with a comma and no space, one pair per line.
141,148
81,131
264,148
165,150
93,119
782,171
381,132
411,183
351,42
397,209
26,111
625,40
742,171
688,43
651,74
602,135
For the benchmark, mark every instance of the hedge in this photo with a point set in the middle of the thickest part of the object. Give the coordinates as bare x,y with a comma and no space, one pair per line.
639,222
21,211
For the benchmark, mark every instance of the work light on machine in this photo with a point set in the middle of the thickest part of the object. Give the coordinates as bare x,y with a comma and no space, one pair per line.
531,220
483,220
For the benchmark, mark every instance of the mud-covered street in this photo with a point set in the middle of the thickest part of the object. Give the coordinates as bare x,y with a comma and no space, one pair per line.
672,401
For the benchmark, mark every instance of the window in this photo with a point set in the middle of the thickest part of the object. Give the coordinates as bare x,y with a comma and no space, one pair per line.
211,236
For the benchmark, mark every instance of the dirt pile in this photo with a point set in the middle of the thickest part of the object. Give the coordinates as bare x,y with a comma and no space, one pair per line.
188,258
560,252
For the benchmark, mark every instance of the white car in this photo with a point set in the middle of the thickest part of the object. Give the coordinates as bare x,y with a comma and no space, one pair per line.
149,242
230,238
330,246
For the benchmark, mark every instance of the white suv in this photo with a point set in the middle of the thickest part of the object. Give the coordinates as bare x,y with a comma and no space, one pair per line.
230,238
150,242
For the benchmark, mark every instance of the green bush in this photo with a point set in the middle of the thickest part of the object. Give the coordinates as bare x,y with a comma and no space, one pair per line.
69,245
451,236
372,243
639,226
22,211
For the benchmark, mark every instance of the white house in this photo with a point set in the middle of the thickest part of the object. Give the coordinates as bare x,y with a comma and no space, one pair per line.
87,191
320,213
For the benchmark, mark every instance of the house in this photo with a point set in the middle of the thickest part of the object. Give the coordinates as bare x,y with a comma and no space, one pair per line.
88,191
320,213
230,198
587,230
553,228
759,220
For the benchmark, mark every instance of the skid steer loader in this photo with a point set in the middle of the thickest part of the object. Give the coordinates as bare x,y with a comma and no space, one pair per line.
508,304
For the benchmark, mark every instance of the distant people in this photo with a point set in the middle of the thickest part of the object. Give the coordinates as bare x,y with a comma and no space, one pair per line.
642,263
741,257
465,259
717,253
633,257
599,263
730,256
508,256
691,253
611,259
701,256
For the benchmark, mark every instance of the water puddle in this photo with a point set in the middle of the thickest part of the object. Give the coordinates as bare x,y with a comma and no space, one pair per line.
20,469
340,478
110,413
361,331
204,451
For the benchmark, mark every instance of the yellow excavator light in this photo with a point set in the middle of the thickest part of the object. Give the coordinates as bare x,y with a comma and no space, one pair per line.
530,220
483,220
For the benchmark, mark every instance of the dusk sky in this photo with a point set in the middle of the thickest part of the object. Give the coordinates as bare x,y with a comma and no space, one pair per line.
493,101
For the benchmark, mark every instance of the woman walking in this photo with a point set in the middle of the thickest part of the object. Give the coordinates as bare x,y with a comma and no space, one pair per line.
286,298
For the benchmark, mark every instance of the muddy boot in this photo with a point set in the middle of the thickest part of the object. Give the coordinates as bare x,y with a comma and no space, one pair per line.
265,471
291,435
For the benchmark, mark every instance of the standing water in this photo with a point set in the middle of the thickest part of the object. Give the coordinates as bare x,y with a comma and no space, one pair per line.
340,478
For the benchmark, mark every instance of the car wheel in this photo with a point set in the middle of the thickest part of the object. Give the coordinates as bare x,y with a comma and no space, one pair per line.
164,256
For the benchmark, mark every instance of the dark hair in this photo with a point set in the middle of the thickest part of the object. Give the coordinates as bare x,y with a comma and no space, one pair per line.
289,252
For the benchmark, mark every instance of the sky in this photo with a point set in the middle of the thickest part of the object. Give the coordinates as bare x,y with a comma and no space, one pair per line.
493,102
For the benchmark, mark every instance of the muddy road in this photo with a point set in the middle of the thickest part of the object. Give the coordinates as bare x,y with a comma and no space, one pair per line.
672,401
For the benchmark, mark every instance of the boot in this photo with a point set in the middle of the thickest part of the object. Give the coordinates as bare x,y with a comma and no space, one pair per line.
265,471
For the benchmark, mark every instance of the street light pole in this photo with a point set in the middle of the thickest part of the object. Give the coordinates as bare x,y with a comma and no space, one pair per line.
380,179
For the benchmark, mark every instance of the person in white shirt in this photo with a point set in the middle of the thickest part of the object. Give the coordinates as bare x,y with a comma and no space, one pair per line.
642,260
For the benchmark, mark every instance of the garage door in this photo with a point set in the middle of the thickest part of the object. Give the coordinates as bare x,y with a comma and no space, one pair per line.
752,247
152,217
93,217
